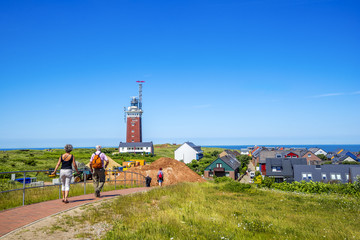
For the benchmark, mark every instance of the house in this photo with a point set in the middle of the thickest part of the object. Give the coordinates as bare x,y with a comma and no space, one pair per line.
282,169
291,154
311,158
188,152
136,147
229,152
244,151
264,154
354,173
225,166
317,151
326,173
344,155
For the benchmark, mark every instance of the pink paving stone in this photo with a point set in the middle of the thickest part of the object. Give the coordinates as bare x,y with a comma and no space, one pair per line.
12,219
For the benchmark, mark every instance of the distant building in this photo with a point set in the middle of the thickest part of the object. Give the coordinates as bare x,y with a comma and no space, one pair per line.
318,151
234,153
226,166
311,158
282,169
244,151
188,152
136,147
326,173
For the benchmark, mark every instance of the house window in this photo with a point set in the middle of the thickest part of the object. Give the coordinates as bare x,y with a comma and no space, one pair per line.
333,177
347,177
210,174
309,155
132,140
323,176
309,176
304,176
338,176
219,165
227,174
276,169
278,155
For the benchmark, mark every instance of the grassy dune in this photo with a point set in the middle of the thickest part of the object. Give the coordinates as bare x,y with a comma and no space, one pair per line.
220,211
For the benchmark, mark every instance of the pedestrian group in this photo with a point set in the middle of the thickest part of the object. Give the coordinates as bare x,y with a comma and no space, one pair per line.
98,164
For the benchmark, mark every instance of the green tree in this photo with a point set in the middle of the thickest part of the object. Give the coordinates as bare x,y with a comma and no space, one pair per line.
322,157
244,160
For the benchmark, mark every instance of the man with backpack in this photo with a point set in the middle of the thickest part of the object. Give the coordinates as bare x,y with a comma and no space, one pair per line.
160,177
98,164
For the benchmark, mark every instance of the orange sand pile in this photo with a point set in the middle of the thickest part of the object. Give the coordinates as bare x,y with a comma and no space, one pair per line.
174,172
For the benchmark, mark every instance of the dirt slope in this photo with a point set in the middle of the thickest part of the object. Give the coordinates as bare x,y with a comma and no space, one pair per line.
174,172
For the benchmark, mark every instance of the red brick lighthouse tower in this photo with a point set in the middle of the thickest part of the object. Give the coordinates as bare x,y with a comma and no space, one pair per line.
133,118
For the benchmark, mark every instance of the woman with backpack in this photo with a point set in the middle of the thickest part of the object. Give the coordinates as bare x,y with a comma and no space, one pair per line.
160,177
67,163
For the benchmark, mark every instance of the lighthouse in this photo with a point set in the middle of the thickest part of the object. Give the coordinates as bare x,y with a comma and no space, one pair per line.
133,121
134,118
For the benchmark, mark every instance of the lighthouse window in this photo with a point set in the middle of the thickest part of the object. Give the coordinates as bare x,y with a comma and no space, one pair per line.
132,124
132,135
132,131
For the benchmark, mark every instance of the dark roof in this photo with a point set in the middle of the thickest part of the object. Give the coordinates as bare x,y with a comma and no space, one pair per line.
354,173
286,164
196,148
314,149
231,161
136,144
318,170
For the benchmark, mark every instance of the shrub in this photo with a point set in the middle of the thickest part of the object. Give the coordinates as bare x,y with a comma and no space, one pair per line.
268,182
316,187
222,179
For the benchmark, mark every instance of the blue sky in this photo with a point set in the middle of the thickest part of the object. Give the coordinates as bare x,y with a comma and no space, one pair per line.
216,72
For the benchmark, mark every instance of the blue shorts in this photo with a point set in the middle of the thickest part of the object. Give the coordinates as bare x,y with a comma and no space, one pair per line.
160,180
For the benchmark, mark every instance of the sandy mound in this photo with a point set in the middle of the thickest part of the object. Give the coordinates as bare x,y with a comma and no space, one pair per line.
174,172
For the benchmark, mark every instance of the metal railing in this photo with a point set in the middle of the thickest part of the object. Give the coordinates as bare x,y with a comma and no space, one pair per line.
128,180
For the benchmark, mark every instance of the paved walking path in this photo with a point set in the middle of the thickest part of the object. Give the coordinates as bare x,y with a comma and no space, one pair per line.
15,218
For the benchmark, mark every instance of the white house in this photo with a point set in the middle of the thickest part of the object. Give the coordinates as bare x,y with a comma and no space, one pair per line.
136,147
244,151
317,151
188,152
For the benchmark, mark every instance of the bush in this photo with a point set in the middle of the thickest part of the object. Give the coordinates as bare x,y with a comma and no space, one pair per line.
222,179
315,187
268,182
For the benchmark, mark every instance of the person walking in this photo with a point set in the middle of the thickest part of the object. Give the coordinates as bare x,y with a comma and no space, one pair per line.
160,177
148,180
66,173
98,164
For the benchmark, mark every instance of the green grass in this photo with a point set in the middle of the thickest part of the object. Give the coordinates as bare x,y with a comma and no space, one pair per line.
217,211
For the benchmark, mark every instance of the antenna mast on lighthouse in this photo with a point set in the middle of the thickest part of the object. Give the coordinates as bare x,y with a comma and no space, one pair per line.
140,93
